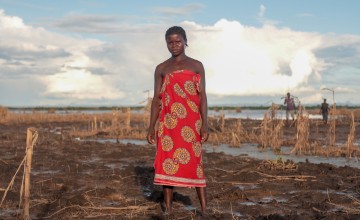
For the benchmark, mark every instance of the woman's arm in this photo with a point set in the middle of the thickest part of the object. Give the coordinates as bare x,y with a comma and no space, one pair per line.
155,106
203,104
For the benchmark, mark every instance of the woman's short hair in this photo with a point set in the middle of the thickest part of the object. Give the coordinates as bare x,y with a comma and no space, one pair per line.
176,30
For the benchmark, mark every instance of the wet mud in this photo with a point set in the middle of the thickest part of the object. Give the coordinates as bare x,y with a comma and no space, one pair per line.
74,178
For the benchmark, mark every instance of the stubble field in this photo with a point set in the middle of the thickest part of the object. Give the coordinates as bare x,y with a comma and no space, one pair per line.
73,176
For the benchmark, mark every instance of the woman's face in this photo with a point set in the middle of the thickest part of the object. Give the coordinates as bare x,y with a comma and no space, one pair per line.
175,44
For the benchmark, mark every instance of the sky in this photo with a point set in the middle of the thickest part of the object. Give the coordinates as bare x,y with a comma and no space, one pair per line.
104,53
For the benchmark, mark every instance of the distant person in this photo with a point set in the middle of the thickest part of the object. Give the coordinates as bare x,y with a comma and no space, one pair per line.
180,106
325,111
290,107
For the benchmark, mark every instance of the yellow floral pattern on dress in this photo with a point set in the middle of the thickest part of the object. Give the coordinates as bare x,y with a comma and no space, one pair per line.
198,126
167,99
165,83
187,134
199,171
197,84
190,87
192,105
182,155
167,143
170,167
179,109
161,129
178,160
197,148
179,91
170,122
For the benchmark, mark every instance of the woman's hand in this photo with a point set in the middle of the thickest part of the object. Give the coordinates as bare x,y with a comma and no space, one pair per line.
204,134
151,136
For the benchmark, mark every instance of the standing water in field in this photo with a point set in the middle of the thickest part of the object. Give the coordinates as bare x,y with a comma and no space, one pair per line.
252,150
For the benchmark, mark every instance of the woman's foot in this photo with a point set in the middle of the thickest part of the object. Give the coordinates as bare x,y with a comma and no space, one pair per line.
202,215
164,208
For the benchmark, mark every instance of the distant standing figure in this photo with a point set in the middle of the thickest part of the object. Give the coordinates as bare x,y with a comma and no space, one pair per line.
324,111
290,107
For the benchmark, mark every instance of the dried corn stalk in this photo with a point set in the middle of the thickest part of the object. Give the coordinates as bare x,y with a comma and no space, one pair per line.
302,135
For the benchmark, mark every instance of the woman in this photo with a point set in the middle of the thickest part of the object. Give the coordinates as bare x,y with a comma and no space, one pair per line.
180,104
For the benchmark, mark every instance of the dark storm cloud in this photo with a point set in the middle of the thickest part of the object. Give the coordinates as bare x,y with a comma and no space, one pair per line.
94,70
339,52
18,54
19,70
99,71
19,62
4,55
285,68
101,24
88,23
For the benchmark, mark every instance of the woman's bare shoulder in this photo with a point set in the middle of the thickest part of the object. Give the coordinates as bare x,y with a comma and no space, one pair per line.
195,61
197,65
161,67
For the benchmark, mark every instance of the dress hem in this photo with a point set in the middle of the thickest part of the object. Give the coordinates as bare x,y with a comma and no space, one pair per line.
164,183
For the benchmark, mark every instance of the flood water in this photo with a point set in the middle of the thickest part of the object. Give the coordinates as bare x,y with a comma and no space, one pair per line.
256,114
251,150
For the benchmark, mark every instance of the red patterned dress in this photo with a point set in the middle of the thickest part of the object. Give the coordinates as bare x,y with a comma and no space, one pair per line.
178,157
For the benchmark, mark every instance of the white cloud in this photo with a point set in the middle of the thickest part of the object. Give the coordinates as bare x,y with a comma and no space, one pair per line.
80,84
262,11
60,62
312,98
239,60
344,90
262,18
10,21
244,60
75,81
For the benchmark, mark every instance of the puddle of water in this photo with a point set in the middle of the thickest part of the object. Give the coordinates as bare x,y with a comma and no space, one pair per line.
122,141
251,150
189,208
281,200
147,194
246,187
8,212
337,192
237,214
269,199
7,156
34,172
56,130
92,160
266,200
115,165
248,203
327,192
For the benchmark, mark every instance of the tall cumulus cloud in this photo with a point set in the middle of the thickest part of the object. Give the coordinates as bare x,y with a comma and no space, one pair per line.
239,60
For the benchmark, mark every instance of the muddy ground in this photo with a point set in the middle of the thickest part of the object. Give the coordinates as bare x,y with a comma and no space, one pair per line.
77,179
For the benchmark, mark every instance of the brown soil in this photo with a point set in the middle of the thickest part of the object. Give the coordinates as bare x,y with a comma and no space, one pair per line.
73,179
